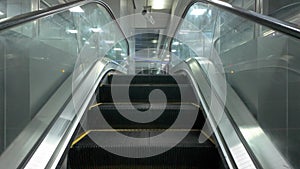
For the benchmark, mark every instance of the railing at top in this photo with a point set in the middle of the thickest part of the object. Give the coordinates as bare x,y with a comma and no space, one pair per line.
275,24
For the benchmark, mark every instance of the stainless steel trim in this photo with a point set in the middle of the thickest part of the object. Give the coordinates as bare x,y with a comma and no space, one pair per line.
187,70
232,141
27,139
53,145
64,143
260,144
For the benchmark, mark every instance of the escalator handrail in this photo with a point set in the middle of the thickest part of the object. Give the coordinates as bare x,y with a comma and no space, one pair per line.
34,15
273,23
272,16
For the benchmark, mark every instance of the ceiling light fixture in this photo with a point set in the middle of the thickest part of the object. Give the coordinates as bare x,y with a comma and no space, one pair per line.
76,9
158,4
96,30
109,42
176,43
154,41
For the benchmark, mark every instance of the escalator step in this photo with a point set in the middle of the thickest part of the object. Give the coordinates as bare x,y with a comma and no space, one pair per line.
165,120
148,79
140,93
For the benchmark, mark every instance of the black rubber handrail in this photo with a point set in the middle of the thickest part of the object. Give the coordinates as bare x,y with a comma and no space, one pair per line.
31,16
273,23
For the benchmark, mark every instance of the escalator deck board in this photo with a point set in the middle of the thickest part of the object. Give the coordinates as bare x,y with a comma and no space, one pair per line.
141,93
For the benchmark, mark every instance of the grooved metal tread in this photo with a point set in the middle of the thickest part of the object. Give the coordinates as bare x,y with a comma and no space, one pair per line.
190,140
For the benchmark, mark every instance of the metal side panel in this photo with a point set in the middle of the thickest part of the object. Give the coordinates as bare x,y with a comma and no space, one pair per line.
227,138
260,144
51,149
60,107
27,139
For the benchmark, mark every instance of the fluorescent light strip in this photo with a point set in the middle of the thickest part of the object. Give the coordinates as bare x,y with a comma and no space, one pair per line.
154,41
269,32
96,30
72,31
197,12
109,42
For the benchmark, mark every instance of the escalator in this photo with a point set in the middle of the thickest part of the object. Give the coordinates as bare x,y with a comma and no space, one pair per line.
234,83
188,153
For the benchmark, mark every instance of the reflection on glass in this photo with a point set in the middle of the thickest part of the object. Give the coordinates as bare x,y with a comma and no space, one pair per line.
287,10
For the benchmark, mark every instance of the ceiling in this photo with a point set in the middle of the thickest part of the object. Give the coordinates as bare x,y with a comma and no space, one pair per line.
149,39
156,5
